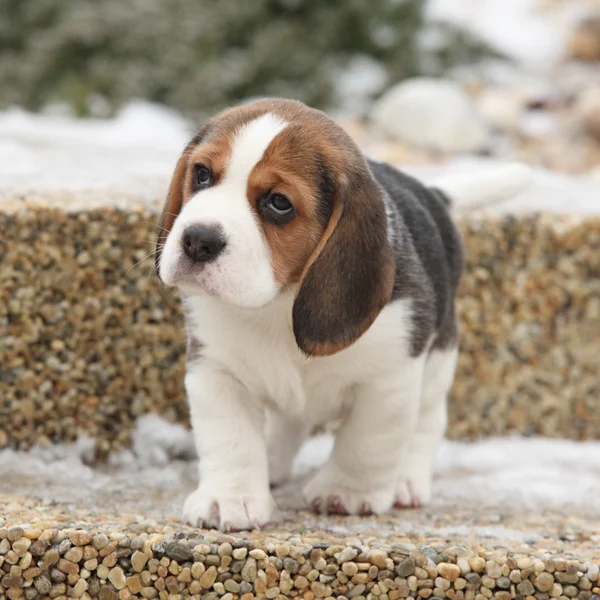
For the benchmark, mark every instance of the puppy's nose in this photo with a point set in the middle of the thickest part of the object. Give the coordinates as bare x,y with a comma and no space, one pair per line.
203,244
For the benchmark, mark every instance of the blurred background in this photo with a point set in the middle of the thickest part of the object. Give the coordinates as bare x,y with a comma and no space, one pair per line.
516,78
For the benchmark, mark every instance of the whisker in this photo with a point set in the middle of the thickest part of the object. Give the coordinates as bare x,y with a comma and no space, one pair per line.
140,261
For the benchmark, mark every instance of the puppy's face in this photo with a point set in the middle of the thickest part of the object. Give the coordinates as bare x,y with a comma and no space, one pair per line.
273,194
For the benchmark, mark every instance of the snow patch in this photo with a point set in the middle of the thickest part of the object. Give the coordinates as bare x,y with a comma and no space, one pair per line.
529,472
524,30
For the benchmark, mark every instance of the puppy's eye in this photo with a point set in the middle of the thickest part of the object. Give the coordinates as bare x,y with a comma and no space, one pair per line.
202,177
279,204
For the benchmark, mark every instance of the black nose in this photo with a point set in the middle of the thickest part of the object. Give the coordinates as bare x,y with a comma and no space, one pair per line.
203,244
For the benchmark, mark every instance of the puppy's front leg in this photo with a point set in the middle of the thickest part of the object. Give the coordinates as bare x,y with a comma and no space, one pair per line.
360,475
228,430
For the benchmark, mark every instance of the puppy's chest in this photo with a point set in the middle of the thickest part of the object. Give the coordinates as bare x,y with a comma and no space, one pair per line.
261,352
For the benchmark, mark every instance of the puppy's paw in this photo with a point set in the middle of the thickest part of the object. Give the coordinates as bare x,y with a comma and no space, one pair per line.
330,492
212,507
413,489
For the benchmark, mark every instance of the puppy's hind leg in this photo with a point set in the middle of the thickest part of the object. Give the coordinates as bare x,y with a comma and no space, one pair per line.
284,437
414,480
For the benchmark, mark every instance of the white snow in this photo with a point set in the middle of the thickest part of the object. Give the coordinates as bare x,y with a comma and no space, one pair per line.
528,472
135,153
529,31
136,150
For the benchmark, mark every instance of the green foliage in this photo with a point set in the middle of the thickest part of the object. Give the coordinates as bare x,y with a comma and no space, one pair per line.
196,55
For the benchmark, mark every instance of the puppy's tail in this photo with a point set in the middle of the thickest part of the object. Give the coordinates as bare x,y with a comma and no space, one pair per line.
485,187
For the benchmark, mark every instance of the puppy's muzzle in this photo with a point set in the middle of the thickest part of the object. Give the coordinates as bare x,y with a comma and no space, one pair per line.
203,244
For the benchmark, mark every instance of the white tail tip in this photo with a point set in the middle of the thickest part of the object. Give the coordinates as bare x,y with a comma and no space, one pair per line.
485,186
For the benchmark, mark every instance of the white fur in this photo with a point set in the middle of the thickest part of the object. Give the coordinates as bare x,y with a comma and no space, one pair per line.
485,187
414,479
243,274
252,369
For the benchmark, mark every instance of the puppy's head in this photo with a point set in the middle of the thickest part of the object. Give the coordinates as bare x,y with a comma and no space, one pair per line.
272,195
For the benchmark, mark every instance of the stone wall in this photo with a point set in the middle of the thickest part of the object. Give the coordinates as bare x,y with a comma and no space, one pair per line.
90,340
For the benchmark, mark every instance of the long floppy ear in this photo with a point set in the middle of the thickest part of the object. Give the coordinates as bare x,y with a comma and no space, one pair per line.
174,200
350,275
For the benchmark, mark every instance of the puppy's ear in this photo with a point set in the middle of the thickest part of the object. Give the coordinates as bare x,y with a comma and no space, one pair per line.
174,200
349,278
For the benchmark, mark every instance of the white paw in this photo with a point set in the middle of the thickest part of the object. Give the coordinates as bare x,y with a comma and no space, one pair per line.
329,491
211,507
413,489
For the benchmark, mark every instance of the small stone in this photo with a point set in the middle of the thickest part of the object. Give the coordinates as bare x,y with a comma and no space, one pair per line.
474,579
449,571
117,577
198,569
477,564
14,533
318,589
406,567
79,588
67,566
346,555
357,590
99,541
524,563
493,569
138,561
249,569
240,553
463,565
134,583
80,538
544,582
351,569
180,551
379,558
526,588
208,578
503,583
593,572
460,584
258,554
39,547
74,554
232,586
42,584
301,582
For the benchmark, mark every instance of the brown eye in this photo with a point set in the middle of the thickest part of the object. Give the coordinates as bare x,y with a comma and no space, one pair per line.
202,177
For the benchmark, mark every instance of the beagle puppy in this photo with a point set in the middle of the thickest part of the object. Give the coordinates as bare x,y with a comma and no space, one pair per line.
316,284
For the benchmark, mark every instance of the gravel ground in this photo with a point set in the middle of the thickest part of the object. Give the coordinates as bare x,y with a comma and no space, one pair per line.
445,551
103,531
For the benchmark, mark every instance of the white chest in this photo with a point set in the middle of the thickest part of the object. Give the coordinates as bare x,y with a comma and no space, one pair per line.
259,348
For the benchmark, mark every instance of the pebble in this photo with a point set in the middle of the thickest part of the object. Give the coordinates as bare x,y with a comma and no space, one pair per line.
449,571
431,113
406,567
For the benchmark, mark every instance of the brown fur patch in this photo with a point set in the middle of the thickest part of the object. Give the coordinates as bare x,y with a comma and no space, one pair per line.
336,246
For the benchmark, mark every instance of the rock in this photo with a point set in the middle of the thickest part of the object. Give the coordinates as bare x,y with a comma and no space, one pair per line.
406,567
544,582
179,551
584,43
249,570
435,114
138,561
526,588
80,538
449,571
